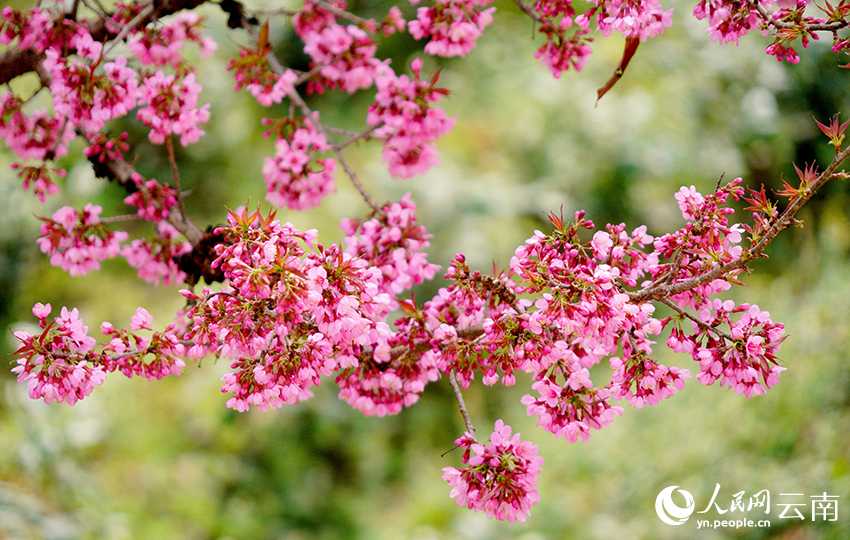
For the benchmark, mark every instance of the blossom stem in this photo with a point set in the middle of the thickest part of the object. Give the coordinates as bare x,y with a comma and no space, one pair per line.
459,397
143,15
703,324
169,145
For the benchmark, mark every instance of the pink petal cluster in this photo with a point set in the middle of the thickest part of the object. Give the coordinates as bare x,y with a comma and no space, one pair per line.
500,478
171,108
728,20
32,29
58,365
644,381
102,148
154,259
320,311
129,352
294,177
162,45
153,200
395,243
76,240
343,55
748,363
637,19
573,408
63,363
560,53
408,125
41,178
39,135
81,93
453,26
251,70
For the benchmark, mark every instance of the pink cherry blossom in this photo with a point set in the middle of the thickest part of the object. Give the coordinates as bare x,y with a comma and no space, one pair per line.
501,476
406,123
171,108
453,26
76,240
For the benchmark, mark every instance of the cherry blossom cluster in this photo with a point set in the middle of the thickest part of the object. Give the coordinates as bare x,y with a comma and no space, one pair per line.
287,317
294,177
128,351
251,71
727,21
453,26
642,19
64,363
153,200
155,259
102,148
395,243
406,123
37,29
291,313
162,45
745,361
41,178
500,478
83,95
77,241
171,108
39,135
56,365
344,56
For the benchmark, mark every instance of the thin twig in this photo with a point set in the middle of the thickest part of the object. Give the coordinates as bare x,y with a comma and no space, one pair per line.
682,312
459,397
119,219
169,145
130,26
342,13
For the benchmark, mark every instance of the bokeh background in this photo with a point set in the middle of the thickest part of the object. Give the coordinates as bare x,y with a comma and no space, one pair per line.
167,460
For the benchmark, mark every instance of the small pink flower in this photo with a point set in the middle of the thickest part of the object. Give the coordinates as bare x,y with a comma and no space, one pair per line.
142,320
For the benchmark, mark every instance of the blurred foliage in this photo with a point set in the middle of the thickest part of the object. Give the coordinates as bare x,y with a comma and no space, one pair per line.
140,460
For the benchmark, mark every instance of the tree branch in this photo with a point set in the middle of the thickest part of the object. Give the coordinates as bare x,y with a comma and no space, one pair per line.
123,173
459,397
664,290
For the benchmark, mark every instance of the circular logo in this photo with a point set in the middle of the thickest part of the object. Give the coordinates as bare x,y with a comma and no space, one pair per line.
668,511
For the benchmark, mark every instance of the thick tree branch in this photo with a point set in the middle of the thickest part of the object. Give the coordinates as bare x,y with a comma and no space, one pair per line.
122,173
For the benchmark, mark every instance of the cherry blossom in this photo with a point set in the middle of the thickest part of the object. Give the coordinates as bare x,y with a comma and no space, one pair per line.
501,476
291,313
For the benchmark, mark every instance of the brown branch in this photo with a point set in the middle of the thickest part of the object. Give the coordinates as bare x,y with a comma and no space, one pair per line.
123,173
767,16
175,174
459,397
664,290
699,322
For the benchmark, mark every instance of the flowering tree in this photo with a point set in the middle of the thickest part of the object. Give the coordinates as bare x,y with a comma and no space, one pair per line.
291,313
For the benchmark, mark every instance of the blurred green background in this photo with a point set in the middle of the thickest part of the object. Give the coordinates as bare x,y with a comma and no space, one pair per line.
167,460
